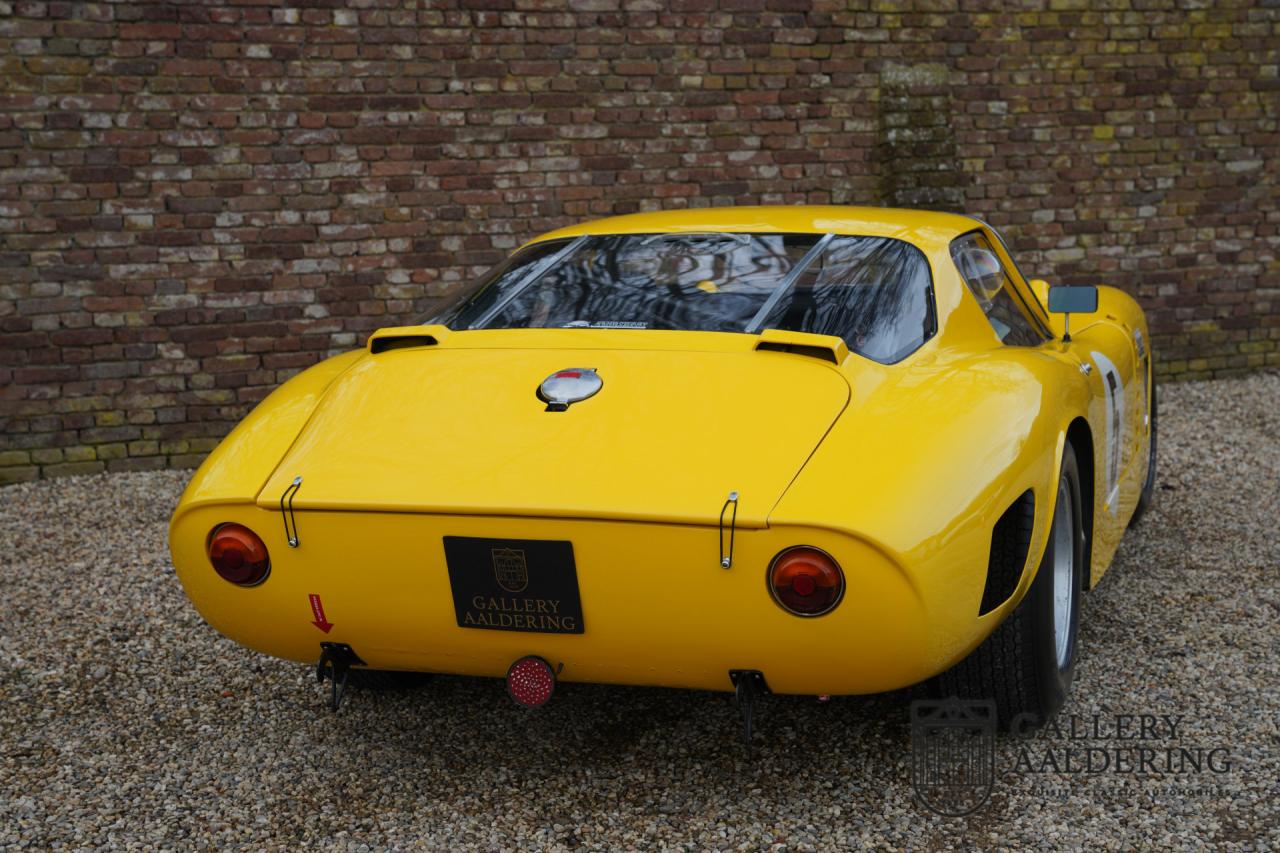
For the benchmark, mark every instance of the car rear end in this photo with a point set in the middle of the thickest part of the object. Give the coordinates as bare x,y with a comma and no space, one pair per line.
600,600
446,505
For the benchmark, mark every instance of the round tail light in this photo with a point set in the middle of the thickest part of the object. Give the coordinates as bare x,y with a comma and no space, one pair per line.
806,581
238,555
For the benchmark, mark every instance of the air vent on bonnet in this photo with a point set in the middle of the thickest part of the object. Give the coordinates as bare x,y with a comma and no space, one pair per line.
405,337
824,347
384,344
813,352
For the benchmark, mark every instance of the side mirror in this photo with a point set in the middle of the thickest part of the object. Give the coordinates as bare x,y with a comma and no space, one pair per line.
1072,300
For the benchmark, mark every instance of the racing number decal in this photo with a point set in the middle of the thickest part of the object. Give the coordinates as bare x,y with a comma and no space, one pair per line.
1115,427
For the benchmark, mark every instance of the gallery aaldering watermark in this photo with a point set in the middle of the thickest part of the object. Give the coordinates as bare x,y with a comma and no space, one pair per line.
957,758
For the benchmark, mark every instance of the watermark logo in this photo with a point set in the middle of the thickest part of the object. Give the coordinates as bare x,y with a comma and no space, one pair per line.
956,758
953,754
1148,746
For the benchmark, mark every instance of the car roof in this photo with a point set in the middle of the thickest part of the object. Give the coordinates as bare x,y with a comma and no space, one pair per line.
927,229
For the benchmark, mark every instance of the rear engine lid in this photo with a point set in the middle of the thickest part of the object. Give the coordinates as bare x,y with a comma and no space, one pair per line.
455,424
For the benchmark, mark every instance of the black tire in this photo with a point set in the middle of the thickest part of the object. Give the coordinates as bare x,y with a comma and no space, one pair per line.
1148,487
1017,666
385,679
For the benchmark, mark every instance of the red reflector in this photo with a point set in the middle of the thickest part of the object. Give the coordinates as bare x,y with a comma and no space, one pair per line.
806,581
238,555
803,585
569,374
530,681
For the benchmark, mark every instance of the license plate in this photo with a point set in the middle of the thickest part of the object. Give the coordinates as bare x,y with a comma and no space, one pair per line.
514,584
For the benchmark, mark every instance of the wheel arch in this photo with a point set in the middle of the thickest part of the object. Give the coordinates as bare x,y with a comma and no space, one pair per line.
1080,437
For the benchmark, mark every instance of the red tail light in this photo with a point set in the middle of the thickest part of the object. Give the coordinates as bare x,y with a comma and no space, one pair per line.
806,581
238,555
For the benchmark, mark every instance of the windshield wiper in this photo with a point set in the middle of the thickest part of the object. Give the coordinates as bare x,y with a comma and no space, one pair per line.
774,298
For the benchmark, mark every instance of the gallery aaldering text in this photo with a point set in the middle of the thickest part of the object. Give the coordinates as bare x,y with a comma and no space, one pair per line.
1119,743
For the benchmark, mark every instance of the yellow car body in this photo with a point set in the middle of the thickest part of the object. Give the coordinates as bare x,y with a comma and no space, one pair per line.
898,471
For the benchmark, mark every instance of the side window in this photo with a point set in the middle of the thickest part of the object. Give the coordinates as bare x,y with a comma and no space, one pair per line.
990,284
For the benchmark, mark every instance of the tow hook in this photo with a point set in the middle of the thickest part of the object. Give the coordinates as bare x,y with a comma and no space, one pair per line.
747,685
336,660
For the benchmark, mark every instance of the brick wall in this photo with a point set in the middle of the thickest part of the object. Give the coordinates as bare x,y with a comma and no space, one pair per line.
198,200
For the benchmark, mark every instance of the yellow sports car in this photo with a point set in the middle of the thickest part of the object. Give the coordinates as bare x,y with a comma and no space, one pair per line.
806,450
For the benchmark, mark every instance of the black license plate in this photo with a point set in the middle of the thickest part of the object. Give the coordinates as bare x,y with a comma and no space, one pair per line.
514,584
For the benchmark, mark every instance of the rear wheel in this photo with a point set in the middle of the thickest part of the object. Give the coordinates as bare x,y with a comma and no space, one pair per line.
1027,663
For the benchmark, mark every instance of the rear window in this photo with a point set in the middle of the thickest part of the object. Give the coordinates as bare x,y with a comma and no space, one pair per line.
874,292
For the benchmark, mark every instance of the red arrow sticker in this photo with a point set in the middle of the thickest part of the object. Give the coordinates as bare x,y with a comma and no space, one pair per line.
317,608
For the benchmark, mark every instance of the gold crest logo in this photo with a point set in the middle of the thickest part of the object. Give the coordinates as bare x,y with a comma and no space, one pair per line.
510,569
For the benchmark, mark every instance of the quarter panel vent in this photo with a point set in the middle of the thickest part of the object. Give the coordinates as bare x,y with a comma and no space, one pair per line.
1010,540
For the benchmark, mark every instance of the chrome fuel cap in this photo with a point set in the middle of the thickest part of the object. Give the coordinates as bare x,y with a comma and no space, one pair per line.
569,386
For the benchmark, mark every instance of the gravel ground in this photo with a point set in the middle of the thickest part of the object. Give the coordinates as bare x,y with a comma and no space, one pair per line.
126,721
